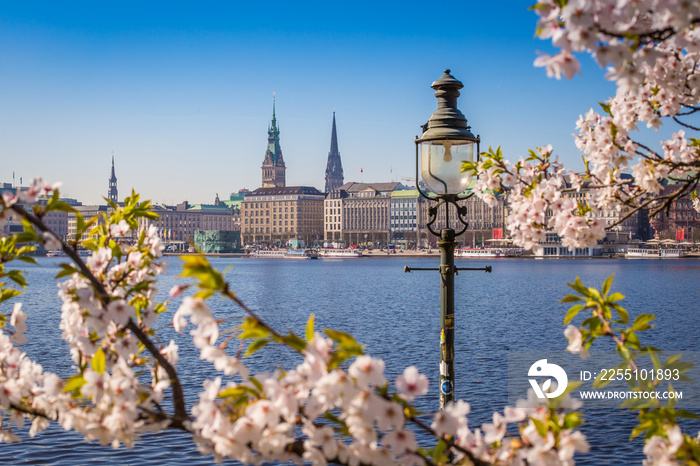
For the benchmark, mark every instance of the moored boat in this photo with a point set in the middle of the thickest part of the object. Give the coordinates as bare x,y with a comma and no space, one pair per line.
488,252
300,254
60,253
328,253
269,253
647,253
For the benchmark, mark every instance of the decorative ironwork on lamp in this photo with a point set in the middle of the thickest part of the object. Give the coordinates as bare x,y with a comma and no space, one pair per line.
446,142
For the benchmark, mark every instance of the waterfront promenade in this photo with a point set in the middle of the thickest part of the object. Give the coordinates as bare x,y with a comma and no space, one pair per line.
400,253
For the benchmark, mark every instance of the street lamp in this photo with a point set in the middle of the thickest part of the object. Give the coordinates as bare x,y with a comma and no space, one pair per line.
446,143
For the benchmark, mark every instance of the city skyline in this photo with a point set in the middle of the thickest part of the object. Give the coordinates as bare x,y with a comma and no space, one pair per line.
183,96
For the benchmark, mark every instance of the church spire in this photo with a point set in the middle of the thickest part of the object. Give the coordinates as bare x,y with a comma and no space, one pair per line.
334,167
112,194
273,126
273,167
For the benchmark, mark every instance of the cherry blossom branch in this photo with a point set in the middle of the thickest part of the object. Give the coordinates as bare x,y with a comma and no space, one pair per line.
180,415
659,35
691,110
31,411
649,155
694,128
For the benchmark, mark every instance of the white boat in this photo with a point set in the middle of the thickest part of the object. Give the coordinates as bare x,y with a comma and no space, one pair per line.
645,253
300,254
60,253
488,252
269,253
328,253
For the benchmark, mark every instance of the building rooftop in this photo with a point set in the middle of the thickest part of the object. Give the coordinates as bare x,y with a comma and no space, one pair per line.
210,207
405,193
282,190
353,187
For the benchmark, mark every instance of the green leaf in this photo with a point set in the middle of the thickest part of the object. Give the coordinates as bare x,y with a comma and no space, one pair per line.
235,392
17,277
632,340
578,286
204,294
686,414
73,384
253,330
641,428
141,286
99,361
541,427
27,259
255,346
197,266
257,384
438,453
310,328
571,313
641,322
343,339
672,359
682,366
467,166
572,420
340,356
294,341
594,323
8,293
571,299
342,428
608,284
348,347
624,352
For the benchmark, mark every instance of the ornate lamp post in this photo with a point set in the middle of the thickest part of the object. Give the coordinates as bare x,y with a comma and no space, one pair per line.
445,144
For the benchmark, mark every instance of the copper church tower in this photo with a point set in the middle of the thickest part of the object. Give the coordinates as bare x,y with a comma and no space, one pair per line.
273,168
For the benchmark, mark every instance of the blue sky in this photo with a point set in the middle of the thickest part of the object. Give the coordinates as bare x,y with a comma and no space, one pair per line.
182,91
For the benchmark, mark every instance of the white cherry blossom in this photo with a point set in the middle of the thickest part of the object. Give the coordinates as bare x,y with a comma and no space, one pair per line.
412,383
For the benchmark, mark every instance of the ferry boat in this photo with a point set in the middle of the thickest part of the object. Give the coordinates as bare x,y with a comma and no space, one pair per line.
328,253
60,253
300,254
488,252
269,253
645,253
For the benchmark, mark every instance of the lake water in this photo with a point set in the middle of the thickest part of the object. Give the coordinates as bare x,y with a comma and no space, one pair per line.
396,315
